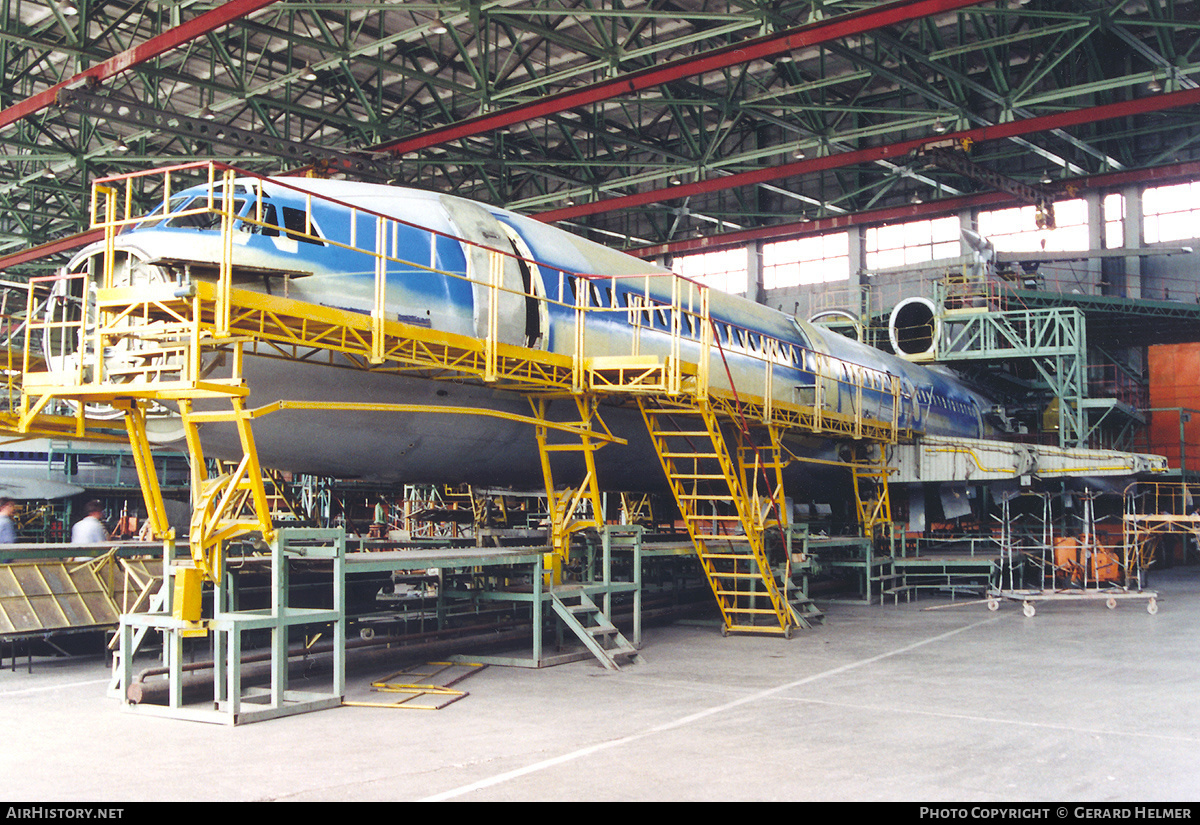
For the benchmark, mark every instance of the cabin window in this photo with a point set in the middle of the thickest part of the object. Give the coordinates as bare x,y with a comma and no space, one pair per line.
293,224
601,295
297,228
270,220
637,313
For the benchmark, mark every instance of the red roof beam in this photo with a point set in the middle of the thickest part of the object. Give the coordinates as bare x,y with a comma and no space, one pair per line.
51,248
156,46
761,48
891,151
1188,170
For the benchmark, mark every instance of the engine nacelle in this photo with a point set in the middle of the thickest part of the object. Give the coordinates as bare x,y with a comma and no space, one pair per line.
914,328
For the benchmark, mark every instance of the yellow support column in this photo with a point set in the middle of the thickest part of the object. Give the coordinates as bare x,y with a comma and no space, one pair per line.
563,506
874,507
143,459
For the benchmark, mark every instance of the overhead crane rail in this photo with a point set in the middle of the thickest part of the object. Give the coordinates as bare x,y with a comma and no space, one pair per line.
137,346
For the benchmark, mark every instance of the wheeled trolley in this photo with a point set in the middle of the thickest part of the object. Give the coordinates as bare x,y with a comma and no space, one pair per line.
1110,597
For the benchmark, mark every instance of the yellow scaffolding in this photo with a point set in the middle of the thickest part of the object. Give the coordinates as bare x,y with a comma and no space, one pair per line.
138,345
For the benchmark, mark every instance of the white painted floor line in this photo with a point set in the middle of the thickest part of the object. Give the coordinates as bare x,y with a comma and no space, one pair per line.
993,720
52,687
686,720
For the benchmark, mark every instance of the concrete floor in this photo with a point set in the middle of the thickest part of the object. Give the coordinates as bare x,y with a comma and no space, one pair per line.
1078,703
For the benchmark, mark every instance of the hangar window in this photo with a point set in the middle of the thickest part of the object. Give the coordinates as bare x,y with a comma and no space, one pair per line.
914,242
1169,213
814,260
1114,221
724,269
1016,230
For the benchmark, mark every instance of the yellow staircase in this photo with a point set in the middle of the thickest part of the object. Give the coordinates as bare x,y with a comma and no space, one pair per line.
730,538
871,496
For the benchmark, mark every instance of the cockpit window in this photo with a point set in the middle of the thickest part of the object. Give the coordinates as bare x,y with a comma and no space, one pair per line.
175,206
207,219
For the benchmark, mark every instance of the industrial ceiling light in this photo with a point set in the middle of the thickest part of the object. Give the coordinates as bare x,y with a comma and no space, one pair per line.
798,154
1046,179
121,146
938,126
68,9
207,113
309,73
916,199
50,173
439,26
674,180
1154,85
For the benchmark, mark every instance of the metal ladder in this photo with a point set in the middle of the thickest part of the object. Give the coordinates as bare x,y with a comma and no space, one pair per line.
871,497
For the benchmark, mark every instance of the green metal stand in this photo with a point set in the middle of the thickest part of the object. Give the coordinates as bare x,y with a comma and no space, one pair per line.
233,704
592,597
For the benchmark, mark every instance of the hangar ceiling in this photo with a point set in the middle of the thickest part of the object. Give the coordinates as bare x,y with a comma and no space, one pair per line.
641,123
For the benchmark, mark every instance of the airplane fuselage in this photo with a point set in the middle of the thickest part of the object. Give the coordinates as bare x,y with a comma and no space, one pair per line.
313,239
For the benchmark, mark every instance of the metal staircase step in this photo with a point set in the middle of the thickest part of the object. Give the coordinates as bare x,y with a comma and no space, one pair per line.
603,639
750,611
624,651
